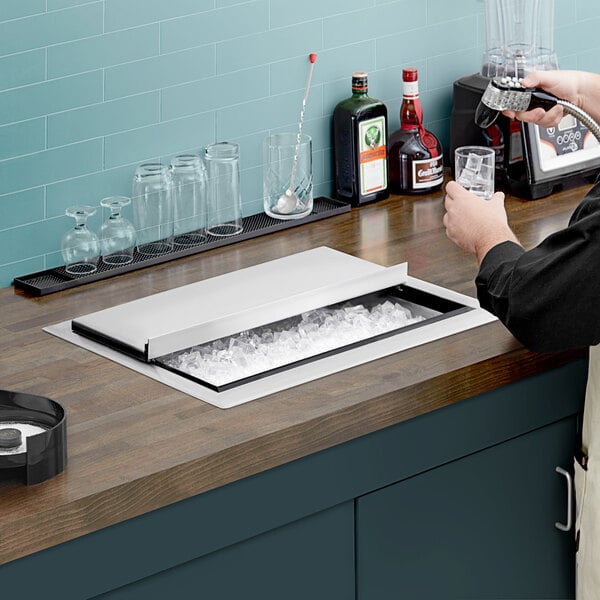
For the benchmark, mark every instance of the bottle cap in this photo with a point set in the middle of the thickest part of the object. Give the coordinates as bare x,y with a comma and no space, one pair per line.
410,74
360,81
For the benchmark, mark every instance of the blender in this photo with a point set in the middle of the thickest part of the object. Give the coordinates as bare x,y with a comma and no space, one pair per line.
531,162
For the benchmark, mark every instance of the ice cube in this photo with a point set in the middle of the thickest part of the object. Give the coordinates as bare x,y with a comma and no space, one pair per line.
474,162
466,178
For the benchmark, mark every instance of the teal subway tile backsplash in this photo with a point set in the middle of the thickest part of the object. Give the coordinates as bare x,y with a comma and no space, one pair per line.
285,13
425,42
88,189
38,237
271,46
49,97
444,69
215,92
442,11
22,69
7,272
21,208
59,4
586,9
374,22
25,137
261,115
50,28
103,51
90,88
45,167
566,14
159,71
103,119
167,138
214,26
568,38
288,75
122,14
15,9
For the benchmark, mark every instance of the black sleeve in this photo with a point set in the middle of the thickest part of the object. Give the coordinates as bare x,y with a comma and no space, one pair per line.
549,297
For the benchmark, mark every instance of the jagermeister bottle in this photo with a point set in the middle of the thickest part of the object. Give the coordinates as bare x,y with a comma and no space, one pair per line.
415,154
360,145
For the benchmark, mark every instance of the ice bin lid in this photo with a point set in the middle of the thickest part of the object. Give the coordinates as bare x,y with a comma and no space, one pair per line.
212,308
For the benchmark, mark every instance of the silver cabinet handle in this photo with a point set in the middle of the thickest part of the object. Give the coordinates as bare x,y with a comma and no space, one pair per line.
566,526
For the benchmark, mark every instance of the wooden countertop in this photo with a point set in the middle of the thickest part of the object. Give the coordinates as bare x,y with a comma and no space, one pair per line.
135,445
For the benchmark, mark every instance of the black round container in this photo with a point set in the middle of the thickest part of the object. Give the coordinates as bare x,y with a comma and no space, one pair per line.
33,437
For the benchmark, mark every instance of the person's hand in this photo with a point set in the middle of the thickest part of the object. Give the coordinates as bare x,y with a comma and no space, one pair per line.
567,85
474,224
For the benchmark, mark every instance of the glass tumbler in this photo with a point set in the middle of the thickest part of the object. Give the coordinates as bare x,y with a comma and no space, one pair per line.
287,175
117,234
80,246
475,169
224,216
153,212
189,199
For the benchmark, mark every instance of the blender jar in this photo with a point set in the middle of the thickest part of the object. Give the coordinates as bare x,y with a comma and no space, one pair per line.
520,37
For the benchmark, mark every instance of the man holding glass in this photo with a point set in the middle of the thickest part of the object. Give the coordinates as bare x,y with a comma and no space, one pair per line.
549,296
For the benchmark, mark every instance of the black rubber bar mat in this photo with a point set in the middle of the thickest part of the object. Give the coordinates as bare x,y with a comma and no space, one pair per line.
57,279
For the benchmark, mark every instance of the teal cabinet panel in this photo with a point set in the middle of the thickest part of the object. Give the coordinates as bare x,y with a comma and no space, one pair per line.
310,558
480,527
223,520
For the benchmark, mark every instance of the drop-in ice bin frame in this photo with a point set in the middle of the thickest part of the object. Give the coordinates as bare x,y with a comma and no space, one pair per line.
144,333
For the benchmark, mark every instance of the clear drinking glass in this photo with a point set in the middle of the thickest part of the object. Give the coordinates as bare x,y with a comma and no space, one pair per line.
117,234
189,199
287,175
153,213
80,246
224,216
475,169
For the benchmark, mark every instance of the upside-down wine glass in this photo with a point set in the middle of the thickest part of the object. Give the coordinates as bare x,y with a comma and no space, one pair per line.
117,234
80,247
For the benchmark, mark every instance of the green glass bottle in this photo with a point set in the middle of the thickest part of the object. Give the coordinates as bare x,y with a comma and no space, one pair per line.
360,145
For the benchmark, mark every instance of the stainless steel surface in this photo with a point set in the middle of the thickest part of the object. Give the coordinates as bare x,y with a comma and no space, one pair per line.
207,309
223,305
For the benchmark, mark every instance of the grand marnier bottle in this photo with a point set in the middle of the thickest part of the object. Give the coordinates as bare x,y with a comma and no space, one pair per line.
360,145
416,163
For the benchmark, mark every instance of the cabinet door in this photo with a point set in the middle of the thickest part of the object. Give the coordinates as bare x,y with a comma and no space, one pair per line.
479,527
310,558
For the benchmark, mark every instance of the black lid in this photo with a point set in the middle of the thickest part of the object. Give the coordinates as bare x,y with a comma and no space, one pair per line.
46,453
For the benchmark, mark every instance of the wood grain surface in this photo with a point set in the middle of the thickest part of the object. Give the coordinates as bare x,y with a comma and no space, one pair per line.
136,445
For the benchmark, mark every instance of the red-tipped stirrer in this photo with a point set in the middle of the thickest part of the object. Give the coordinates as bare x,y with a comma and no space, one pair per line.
288,202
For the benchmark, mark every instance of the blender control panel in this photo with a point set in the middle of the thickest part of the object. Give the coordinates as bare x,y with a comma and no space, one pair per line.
567,144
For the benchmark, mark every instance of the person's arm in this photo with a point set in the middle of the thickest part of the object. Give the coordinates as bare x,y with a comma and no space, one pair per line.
548,297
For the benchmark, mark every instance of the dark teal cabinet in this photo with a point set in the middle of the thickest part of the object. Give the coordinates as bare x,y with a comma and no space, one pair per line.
457,503
479,527
310,558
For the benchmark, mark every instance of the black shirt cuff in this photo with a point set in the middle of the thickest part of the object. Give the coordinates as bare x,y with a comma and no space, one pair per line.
498,255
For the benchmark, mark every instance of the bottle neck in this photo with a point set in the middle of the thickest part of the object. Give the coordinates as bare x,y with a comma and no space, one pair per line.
411,112
360,90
